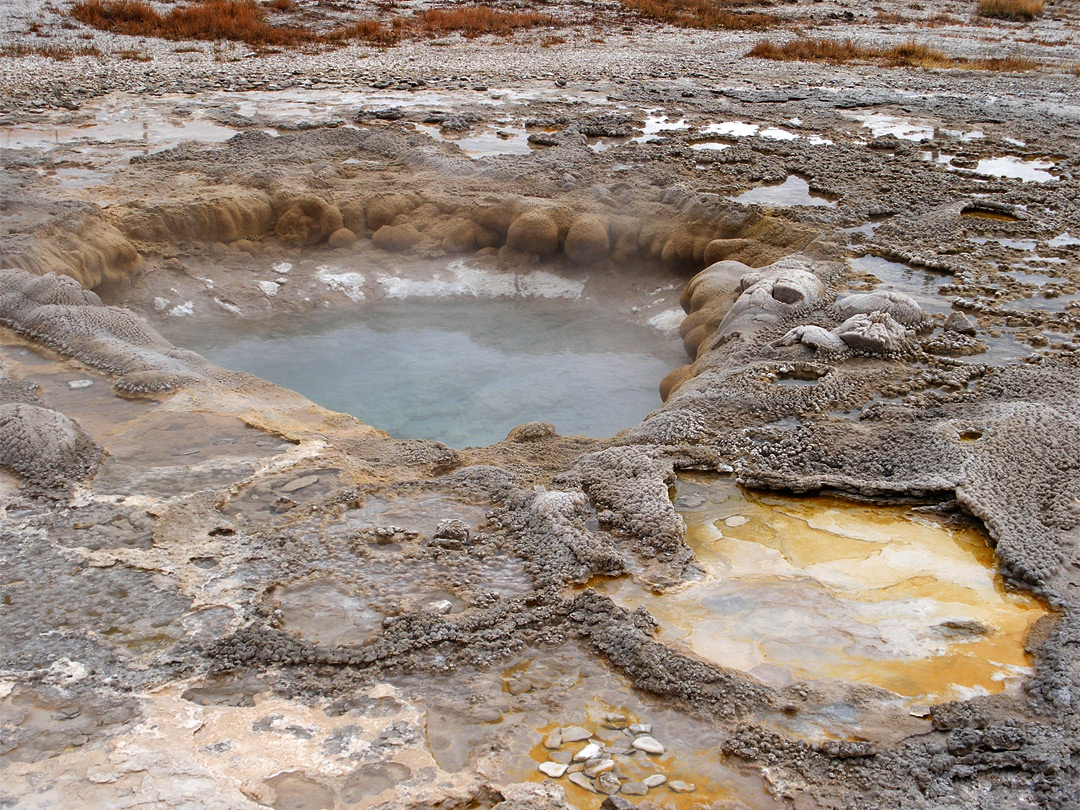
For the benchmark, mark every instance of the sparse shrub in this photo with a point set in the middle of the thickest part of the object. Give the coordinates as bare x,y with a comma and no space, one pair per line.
1006,64
61,53
1011,9
909,54
213,20
912,54
475,21
705,14
281,5
830,51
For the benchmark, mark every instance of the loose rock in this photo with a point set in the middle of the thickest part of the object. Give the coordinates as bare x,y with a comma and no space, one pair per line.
648,744
553,769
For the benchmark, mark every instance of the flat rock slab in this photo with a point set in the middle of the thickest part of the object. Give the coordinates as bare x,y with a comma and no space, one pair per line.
298,484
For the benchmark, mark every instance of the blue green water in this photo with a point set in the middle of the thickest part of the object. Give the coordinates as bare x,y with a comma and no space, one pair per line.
461,371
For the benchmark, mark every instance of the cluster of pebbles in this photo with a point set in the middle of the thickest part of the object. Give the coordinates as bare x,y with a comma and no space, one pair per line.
602,765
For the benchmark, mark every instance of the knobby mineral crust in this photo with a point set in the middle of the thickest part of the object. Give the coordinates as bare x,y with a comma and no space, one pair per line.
171,534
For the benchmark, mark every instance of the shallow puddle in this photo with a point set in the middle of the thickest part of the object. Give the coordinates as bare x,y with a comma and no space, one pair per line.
921,284
1063,240
655,124
1027,170
153,129
818,588
1025,245
564,688
484,142
461,371
792,192
326,613
147,444
736,129
710,146
881,124
986,213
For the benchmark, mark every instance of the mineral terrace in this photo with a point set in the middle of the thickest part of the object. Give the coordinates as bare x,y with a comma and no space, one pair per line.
219,594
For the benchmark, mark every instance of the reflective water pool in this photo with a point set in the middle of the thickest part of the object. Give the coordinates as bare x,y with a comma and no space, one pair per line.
461,371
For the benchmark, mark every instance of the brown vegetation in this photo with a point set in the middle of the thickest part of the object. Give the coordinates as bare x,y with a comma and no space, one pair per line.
1011,9
238,20
909,54
705,14
245,21
61,53
475,21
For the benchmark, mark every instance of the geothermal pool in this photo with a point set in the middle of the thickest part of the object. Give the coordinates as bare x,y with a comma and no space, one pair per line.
461,371
819,588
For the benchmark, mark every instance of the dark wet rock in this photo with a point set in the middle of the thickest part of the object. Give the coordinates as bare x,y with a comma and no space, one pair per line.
452,533
544,139
961,323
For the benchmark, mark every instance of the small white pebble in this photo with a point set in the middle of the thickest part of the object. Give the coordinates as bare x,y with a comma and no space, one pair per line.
77,384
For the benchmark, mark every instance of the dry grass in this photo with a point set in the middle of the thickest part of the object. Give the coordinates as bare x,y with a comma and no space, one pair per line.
476,21
889,17
212,20
912,54
245,21
704,14
938,20
1006,64
829,51
909,54
1011,9
61,53
134,55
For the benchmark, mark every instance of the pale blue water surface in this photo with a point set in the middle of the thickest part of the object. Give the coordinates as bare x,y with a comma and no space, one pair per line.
461,371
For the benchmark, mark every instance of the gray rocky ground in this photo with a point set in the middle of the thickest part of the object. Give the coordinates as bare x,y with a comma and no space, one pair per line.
174,533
